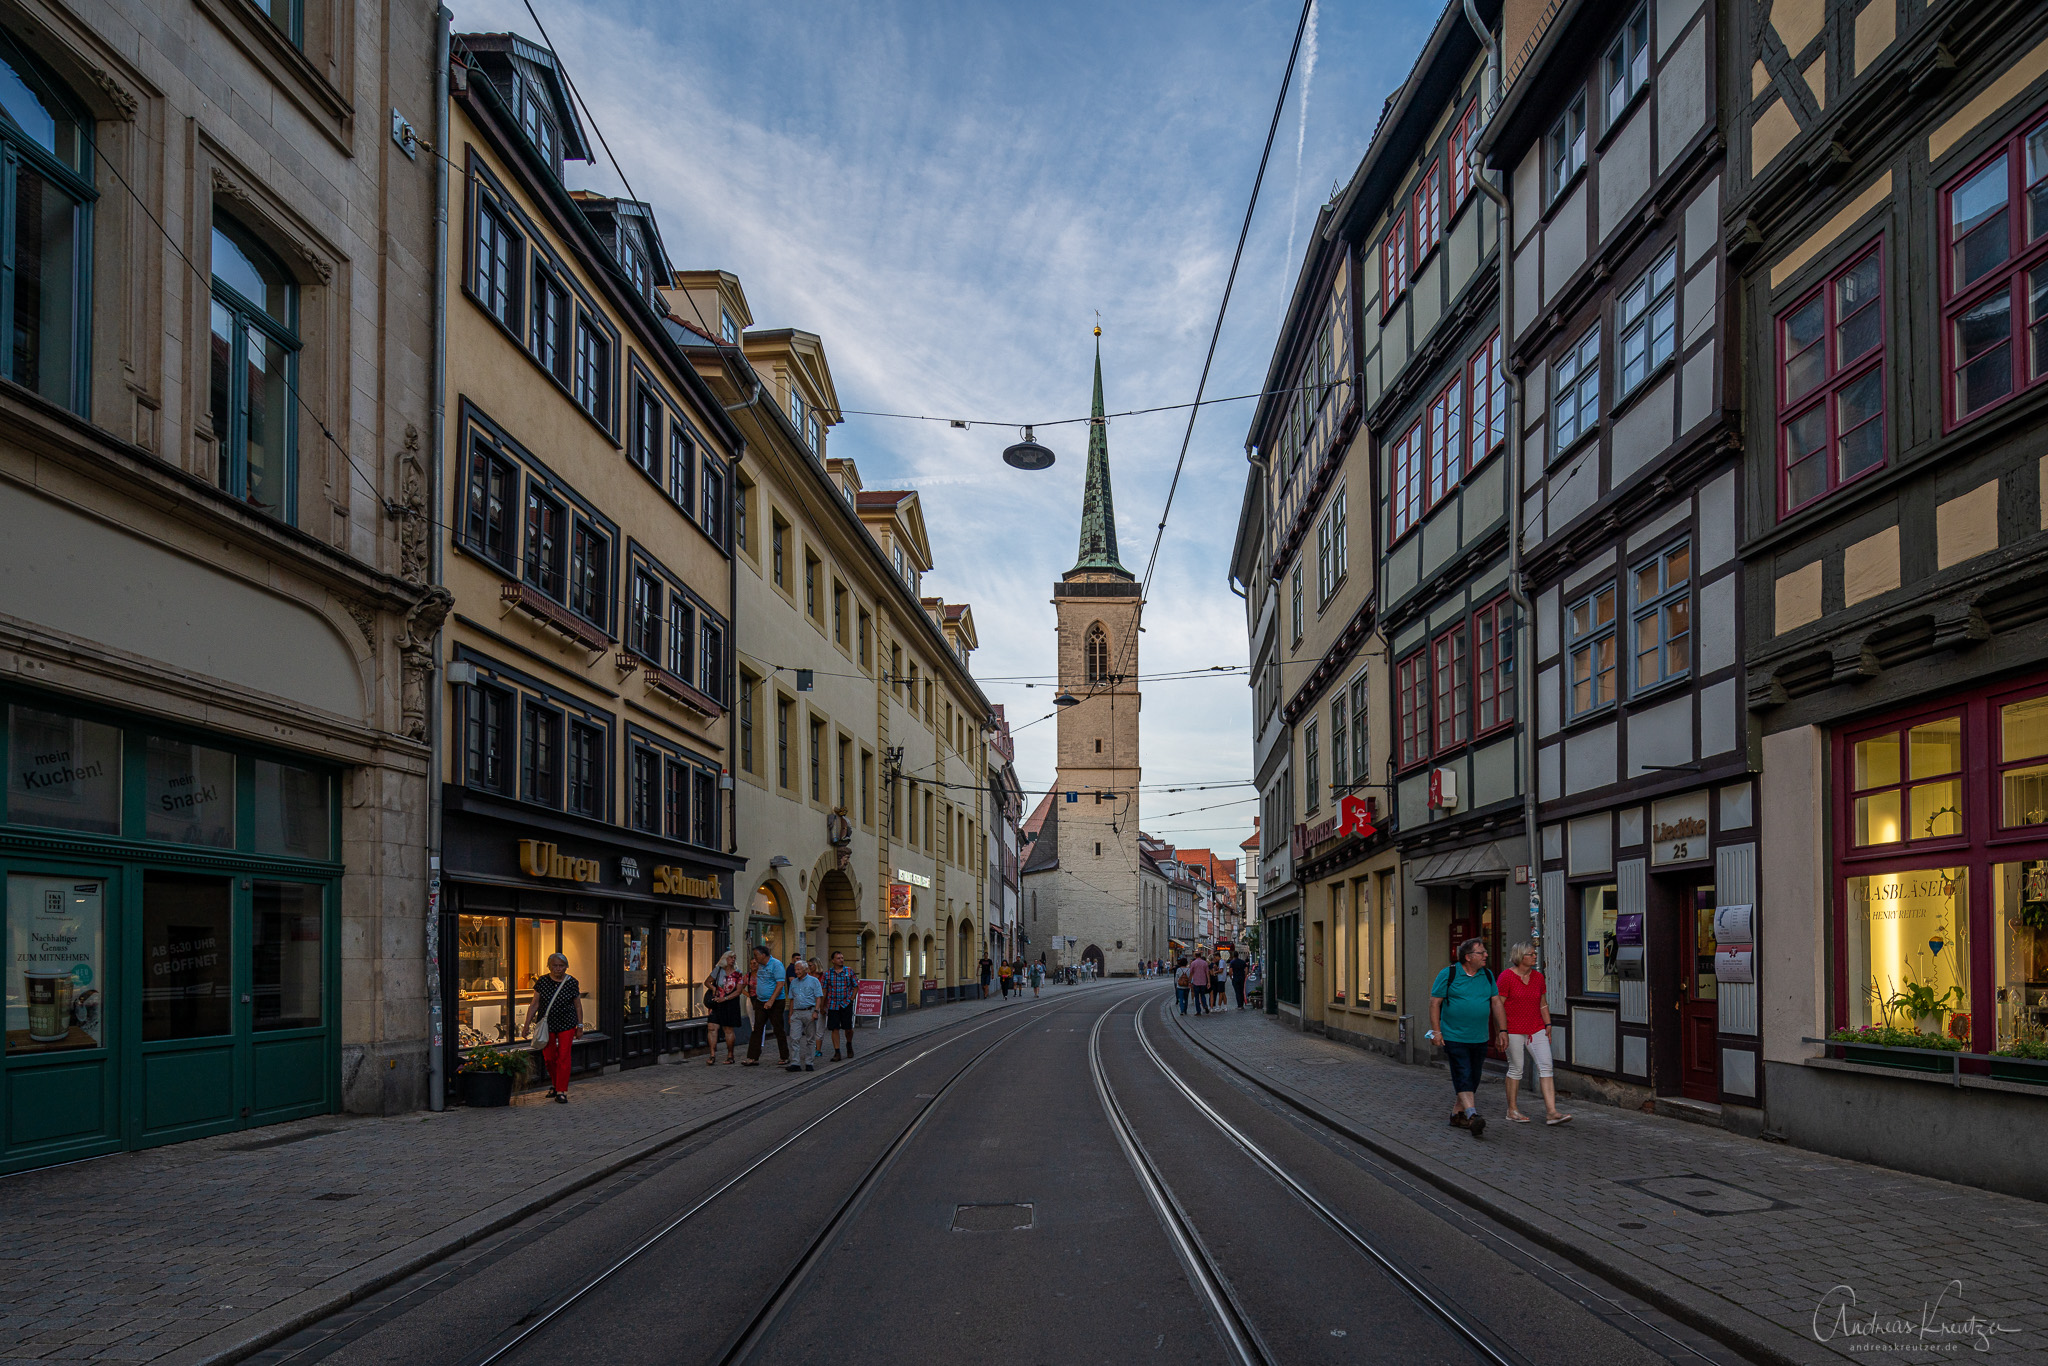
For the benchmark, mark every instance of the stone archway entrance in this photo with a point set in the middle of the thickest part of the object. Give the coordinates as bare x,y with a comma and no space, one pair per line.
966,970
841,907
1093,954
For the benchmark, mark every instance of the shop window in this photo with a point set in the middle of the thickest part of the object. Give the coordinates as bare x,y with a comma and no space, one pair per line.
254,378
586,770
2019,915
487,738
63,772
1311,770
188,941
593,384
1453,689
1409,480
532,941
645,445
540,754
1565,149
1460,156
56,937
1429,212
548,333
1589,640
1994,221
1339,956
1663,617
1907,784
590,574
713,516
1908,950
1647,318
1487,383
498,252
1831,382
1599,909
643,616
286,975
488,497
293,811
189,797
1340,734
46,198
2023,771
1627,68
1493,665
547,544
688,960
1411,706
1446,441
484,980
1575,391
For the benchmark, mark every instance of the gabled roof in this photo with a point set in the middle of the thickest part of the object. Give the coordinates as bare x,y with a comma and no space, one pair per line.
501,55
806,352
903,508
614,217
1042,827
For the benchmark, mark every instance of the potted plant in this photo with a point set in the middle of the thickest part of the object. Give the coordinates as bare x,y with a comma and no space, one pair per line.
2023,1057
489,1074
1918,1002
1877,1045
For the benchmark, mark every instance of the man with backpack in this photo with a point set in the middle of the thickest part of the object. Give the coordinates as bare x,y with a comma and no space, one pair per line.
1464,1013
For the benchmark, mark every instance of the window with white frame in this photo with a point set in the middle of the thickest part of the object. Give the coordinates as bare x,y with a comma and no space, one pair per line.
1330,552
1446,440
1575,391
1565,149
1429,212
1627,68
1459,154
1662,614
1589,645
1647,317
1487,384
1408,480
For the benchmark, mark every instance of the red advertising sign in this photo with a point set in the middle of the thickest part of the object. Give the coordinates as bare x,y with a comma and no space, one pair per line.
1356,815
899,901
931,984
867,997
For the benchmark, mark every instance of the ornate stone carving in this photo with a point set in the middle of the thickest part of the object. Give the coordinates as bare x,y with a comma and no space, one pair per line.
223,183
411,510
416,650
122,97
366,621
315,262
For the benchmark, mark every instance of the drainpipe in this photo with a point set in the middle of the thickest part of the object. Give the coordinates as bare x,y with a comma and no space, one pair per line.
1525,680
437,1055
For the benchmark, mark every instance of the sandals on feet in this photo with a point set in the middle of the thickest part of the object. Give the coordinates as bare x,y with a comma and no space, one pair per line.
1561,1119
1518,1117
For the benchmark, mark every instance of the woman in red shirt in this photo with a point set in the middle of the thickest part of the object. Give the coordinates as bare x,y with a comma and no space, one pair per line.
1521,989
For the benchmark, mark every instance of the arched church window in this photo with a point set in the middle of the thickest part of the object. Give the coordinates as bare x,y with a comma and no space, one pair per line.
1097,654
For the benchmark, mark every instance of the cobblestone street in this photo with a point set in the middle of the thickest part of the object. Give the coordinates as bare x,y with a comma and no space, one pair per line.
1755,1236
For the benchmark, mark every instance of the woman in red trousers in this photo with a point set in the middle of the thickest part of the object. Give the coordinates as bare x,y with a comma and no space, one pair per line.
559,1000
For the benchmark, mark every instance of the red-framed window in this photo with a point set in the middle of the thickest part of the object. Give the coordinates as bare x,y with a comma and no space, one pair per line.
1488,385
1453,681
1493,665
1411,707
1459,154
1446,440
1831,382
1394,263
1940,861
1994,275
1428,211
1407,477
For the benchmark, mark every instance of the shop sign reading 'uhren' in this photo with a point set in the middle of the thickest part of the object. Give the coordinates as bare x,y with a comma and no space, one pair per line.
539,858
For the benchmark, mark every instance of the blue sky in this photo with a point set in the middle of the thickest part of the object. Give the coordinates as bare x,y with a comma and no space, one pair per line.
947,194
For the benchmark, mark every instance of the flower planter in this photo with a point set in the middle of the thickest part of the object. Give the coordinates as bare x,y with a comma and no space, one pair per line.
487,1090
2020,1069
1893,1057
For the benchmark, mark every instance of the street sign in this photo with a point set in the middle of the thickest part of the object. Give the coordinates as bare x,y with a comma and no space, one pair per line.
867,1001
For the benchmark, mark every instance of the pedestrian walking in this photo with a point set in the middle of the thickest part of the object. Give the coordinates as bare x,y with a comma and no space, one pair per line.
988,970
1464,1011
806,996
841,983
1240,968
557,1010
1037,979
1180,985
722,1003
1198,983
1003,975
1521,991
770,1005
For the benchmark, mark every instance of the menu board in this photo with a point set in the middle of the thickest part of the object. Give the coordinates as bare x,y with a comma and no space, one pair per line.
55,928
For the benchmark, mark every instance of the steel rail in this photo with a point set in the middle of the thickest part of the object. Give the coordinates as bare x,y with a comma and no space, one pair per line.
1428,1298
1239,1335
499,1352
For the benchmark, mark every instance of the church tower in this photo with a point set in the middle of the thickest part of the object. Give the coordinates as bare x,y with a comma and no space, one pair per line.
1098,603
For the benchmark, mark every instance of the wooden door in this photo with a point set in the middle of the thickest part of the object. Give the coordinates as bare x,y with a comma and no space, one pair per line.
1699,1076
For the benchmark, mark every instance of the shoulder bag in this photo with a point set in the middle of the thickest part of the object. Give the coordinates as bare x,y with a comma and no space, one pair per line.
540,1020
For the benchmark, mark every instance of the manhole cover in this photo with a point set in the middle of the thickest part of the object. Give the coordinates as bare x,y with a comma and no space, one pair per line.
991,1218
1703,1195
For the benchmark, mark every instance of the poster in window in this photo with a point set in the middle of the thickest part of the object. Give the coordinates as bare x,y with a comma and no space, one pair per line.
55,927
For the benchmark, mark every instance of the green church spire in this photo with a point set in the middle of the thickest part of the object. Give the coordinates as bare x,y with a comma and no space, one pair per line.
1098,510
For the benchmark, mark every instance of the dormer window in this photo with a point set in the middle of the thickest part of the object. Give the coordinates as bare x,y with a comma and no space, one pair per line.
728,329
637,269
539,124
815,433
797,410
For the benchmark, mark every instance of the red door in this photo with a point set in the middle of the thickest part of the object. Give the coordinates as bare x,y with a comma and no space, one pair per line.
1698,1009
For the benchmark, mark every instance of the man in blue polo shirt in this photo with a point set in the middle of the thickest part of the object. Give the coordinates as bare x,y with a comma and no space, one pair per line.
1464,1012
805,994
770,1005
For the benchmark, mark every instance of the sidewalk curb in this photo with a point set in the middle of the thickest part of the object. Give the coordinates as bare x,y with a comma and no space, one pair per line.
1729,1324
270,1326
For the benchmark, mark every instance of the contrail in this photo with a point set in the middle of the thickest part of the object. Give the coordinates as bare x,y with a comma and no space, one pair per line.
1308,76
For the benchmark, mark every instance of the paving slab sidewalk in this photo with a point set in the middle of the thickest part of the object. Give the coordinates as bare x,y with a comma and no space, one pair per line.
207,1251
1787,1255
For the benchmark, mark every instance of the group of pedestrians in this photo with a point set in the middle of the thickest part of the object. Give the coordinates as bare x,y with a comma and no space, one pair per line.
1012,974
1204,981
798,1005
1469,1007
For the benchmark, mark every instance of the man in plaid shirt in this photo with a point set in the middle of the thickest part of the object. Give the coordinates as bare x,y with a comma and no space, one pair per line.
840,983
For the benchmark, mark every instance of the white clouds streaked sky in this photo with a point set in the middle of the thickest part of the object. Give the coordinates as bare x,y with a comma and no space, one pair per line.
946,194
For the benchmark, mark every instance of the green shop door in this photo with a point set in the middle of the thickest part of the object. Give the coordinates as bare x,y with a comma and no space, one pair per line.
60,1083
229,1006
